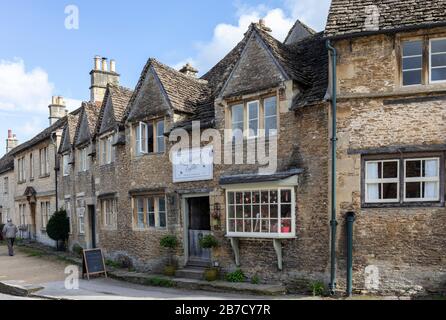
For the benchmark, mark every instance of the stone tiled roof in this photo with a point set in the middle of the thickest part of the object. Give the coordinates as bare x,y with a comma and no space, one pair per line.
70,130
348,17
299,31
90,110
41,136
120,97
313,60
255,177
6,163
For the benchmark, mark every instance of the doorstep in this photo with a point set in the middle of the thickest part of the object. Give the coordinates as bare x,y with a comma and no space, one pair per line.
195,284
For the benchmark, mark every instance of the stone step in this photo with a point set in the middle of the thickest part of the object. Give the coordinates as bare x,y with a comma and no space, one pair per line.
198,263
190,273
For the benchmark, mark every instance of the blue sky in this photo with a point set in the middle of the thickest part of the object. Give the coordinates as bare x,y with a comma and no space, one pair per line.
40,57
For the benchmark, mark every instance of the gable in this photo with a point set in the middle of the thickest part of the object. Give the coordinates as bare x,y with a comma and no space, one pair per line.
150,100
83,133
66,143
108,118
256,70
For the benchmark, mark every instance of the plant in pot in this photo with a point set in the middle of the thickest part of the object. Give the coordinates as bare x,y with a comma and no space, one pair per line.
210,242
58,228
169,242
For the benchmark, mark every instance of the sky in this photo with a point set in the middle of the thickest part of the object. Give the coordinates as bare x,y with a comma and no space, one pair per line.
47,47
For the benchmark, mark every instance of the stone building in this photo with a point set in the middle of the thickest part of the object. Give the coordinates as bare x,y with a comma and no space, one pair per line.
35,176
283,234
7,181
391,78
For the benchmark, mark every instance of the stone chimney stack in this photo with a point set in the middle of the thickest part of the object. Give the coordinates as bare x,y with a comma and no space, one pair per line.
262,26
11,142
101,76
188,70
57,109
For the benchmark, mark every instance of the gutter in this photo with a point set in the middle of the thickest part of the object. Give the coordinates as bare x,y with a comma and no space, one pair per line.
333,222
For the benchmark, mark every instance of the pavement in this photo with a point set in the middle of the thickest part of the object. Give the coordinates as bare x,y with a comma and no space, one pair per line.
29,267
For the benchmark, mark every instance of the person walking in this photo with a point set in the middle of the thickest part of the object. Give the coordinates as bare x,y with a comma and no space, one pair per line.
9,233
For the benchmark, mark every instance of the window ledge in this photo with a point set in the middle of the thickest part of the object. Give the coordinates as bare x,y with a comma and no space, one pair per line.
149,229
44,176
417,204
261,236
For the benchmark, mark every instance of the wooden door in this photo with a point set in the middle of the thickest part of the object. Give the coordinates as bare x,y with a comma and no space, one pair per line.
199,226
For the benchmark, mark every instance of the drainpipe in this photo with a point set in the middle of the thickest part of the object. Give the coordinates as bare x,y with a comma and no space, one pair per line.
350,219
333,222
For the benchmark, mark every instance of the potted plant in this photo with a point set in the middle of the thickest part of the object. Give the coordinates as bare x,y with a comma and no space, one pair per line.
169,242
58,228
209,242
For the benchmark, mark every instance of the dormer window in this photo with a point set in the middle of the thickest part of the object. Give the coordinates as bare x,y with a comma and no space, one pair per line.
254,118
149,137
83,159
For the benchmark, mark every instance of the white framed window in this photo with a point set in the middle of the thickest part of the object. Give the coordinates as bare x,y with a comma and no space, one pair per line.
237,115
261,213
412,62
253,118
31,167
149,137
66,165
45,212
270,116
437,60
68,210
160,136
107,151
80,210
150,212
83,160
21,170
22,214
382,183
422,179
44,161
109,212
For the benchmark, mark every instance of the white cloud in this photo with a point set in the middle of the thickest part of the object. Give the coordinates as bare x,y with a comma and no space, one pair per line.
280,20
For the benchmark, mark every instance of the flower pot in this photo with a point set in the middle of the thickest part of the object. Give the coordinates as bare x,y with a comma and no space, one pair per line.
211,274
170,271
286,229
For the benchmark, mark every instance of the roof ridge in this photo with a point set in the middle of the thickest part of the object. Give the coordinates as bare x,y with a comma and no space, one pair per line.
169,68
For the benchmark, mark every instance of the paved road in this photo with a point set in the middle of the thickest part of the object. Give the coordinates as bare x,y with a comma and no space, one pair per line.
8,297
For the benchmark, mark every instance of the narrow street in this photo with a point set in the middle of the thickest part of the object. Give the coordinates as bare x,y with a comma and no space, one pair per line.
30,267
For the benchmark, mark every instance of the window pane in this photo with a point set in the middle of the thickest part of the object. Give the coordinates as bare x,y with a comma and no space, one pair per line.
255,211
274,226
285,196
232,225
274,211
438,74
413,169
273,198
286,226
372,170
413,190
248,225
412,63
231,197
237,113
162,217
390,170
265,197
373,191
438,60
160,136
270,107
438,46
256,197
390,191
151,212
270,126
247,212
247,197
412,48
430,168
411,77
162,204
253,109
431,190
239,225
264,211
286,211
231,211
239,212
239,198
150,137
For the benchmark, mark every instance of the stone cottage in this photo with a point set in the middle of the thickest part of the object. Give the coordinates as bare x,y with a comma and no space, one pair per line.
391,80
7,181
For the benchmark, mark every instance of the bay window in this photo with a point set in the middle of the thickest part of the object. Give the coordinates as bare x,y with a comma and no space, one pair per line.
268,213
149,137
256,118
150,212
402,180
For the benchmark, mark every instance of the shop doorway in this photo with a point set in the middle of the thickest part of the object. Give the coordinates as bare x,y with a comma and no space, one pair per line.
198,226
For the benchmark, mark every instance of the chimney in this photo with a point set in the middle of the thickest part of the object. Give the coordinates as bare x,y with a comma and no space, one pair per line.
188,70
262,26
11,142
101,76
57,109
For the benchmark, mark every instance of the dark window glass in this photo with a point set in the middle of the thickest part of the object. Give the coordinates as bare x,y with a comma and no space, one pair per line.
390,170
413,190
412,48
413,169
438,74
411,77
150,137
390,190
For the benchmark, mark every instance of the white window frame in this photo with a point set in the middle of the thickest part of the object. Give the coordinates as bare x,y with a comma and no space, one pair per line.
265,117
80,210
158,137
66,165
83,160
382,181
31,166
416,69
45,212
430,60
248,118
422,179
242,105
69,215
143,138
145,212
264,235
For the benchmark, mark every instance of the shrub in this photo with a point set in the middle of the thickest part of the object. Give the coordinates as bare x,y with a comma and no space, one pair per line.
208,242
317,288
211,274
255,279
236,276
124,261
159,282
1,231
77,249
169,242
58,226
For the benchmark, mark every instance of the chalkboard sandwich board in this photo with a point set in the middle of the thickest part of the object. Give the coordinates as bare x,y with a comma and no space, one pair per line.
93,263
